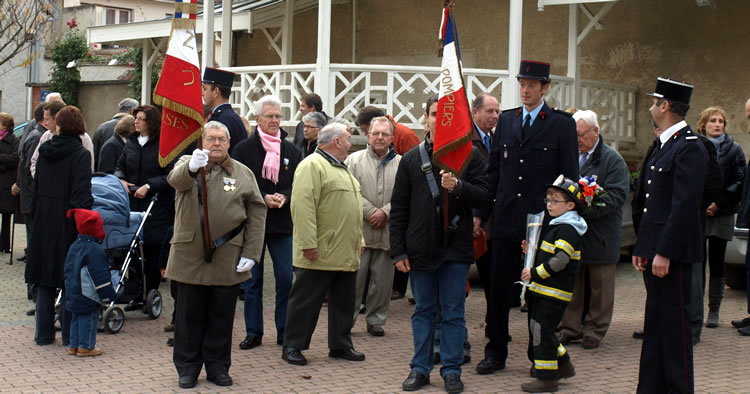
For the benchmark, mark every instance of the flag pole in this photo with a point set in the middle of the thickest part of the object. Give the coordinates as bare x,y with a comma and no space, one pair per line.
208,244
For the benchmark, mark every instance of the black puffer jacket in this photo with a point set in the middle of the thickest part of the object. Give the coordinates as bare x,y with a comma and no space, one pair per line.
139,165
415,224
252,154
732,162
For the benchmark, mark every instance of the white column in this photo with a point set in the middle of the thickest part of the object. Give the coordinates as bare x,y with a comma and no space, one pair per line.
287,30
146,73
208,44
511,98
226,33
574,63
323,61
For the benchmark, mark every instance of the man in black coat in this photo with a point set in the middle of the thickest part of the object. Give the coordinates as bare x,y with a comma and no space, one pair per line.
217,87
107,129
532,146
436,259
670,241
278,236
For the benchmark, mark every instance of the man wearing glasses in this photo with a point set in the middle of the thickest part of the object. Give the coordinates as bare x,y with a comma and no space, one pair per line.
217,86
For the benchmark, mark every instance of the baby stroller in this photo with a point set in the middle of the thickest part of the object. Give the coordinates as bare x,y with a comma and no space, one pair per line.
124,245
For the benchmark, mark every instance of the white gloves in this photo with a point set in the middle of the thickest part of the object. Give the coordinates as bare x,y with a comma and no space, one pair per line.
245,264
199,159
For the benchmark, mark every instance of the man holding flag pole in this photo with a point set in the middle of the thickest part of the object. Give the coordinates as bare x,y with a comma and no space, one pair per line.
432,223
207,270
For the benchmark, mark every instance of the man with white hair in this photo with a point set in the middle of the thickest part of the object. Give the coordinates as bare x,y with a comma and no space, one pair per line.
106,130
327,238
207,290
600,246
54,97
273,160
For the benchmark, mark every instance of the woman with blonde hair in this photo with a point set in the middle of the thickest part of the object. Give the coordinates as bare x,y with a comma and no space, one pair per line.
720,214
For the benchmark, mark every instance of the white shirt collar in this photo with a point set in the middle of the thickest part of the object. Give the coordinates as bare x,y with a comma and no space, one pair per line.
668,133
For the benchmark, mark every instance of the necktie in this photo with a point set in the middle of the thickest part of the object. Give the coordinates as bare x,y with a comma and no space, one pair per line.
583,159
487,141
526,126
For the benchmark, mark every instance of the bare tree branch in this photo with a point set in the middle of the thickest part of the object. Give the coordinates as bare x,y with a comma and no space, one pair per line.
20,20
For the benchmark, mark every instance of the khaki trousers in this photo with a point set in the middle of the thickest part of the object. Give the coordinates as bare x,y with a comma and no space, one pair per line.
601,301
380,266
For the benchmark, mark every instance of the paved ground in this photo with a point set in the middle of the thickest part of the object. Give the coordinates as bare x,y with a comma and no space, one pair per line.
137,359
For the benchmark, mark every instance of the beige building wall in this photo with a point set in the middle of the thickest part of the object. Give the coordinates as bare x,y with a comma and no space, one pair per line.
640,40
98,101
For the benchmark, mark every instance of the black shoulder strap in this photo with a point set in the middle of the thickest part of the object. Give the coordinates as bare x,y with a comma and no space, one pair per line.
427,170
208,252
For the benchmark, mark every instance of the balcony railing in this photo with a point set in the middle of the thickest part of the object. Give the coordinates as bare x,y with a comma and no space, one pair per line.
401,91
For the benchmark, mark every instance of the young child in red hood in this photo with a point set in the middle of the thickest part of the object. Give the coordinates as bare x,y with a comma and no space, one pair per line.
88,283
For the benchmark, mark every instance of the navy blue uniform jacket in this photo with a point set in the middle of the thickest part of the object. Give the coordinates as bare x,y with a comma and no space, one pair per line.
671,218
225,115
520,168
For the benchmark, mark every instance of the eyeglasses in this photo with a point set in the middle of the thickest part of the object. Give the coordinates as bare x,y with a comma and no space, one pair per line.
553,202
140,119
309,127
587,131
383,134
211,140
277,117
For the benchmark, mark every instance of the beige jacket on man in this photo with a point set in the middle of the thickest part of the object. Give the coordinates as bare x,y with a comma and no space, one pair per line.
327,215
233,198
376,178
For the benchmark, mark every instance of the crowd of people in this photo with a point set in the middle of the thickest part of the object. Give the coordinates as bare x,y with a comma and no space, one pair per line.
351,230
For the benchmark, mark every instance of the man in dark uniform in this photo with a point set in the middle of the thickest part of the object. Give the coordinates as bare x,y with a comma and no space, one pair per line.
670,241
532,145
217,86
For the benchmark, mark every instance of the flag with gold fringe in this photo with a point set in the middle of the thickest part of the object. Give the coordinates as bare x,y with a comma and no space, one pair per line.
452,134
179,88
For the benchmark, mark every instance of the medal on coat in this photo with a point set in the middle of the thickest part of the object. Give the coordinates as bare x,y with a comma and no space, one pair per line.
505,151
229,184
286,164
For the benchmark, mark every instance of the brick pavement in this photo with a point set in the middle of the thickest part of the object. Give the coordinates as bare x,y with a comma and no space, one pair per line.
137,359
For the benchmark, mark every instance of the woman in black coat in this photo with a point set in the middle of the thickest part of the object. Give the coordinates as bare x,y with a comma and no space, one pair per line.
720,214
62,182
143,177
8,171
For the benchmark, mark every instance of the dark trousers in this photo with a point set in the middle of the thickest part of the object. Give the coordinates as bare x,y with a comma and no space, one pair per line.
400,281
545,350
667,352
151,265
747,270
717,250
306,299
5,231
45,317
484,266
203,328
505,270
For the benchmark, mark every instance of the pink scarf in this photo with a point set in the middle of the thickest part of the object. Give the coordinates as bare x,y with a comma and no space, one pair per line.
3,134
272,145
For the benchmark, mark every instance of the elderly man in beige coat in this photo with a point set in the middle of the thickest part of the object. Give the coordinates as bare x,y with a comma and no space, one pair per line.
375,168
207,290
326,209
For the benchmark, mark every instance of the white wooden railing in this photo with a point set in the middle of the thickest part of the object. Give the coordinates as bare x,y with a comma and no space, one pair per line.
402,90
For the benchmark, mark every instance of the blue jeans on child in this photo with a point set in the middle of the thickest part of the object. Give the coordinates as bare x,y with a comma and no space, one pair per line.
450,281
280,248
83,329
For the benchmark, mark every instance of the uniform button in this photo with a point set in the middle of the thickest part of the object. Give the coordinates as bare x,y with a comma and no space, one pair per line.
520,178
519,195
652,167
545,149
649,181
521,161
646,195
659,169
645,210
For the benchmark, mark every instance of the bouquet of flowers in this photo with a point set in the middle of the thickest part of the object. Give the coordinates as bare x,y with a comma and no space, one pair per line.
593,194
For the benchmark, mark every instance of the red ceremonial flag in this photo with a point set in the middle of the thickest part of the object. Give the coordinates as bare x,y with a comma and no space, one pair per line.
452,134
179,88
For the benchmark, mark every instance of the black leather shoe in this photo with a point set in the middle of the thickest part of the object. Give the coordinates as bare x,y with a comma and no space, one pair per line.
31,312
453,383
347,354
221,380
741,323
22,258
744,331
489,365
187,382
280,340
293,356
250,342
170,342
415,381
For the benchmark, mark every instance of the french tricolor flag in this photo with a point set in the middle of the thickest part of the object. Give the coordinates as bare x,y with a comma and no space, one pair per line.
179,88
452,134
